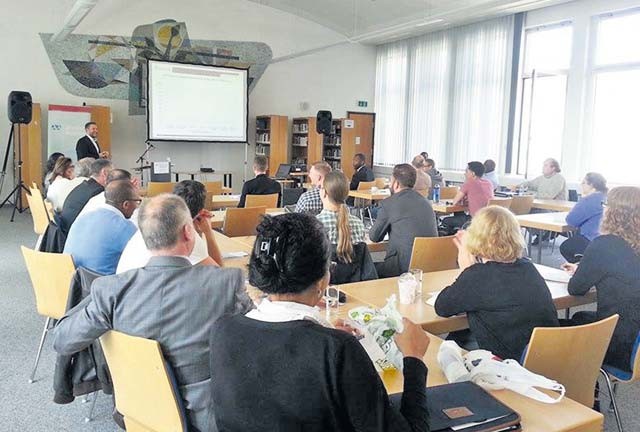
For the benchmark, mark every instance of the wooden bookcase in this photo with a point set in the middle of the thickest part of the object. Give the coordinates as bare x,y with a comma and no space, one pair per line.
339,147
306,143
272,141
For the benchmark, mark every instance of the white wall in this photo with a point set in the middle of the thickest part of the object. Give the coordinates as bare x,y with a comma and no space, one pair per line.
330,79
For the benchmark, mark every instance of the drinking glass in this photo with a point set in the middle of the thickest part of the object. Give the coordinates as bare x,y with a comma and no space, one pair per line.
332,301
417,274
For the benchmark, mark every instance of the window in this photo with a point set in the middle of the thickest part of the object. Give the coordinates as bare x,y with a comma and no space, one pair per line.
547,57
615,82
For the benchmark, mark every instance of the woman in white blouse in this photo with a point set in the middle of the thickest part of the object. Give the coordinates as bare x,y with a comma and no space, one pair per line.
61,184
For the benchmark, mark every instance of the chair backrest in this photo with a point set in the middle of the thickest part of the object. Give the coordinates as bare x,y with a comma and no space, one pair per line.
39,213
239,222
571,355
215,187
144,391
434,254
380,182
291,196
448,192
51,275
502,202
521,204
366,185
360,269
157,188
573,195
268,201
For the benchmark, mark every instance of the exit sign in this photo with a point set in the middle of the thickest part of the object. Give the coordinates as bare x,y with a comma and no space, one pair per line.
362,104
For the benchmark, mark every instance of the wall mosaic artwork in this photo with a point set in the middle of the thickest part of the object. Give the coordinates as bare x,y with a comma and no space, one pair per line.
115,67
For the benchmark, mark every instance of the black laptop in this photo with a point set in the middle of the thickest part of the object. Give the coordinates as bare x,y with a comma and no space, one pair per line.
283,172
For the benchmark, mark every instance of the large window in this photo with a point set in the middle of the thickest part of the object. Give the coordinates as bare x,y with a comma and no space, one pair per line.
614,129
446,93
547,57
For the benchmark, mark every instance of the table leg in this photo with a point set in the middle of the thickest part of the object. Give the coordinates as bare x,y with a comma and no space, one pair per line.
540,232
567,313
177,177
530,245
193,176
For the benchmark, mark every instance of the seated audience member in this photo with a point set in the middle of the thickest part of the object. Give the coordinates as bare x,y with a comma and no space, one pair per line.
168,300
310,201
281,367
342,228
436,176
51,164
86,190
424,155
586,216
501,292
99,200
362,172
96,239
611,263
60,185
475,193
550,185
423,180
261,184
82,171
404,216
491,174
205,249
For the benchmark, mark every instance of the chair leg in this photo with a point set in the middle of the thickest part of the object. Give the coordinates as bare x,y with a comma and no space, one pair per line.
93,405
42,338
615,392
613,399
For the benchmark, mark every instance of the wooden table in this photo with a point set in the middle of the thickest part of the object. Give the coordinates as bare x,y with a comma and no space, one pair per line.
447,207
377,292
226,176
541,222
373,247
553,205
225,191
370,196
217,216
565,416
227,245
223,201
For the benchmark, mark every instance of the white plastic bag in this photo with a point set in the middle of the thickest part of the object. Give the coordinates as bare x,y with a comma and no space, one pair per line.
490,373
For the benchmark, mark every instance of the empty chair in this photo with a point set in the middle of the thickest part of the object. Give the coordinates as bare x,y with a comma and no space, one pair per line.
448,192
434,254
521,204
50,275
144,389
502,202
571,355
380,182
157,188
214,187
39,213
268,201
239,222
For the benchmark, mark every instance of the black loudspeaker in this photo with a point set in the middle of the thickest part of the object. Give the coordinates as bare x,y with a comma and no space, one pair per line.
19,107
323,122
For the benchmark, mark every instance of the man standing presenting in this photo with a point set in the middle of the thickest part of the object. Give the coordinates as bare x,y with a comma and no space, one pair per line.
87,146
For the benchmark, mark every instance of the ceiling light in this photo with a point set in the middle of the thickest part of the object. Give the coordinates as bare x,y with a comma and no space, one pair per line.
434,21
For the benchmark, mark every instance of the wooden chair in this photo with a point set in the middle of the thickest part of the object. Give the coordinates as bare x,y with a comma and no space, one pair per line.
157,188
51,275
39,213
618,376
521,204
215,187
506,203
571,355
268,201
434,254
145,393
380,183
448,192
366,185
239,222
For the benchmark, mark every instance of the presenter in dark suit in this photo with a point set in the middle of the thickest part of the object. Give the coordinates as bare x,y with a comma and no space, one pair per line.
362,172
262,184
88,146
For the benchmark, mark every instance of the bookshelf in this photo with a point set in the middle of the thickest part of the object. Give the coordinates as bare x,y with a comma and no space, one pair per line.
306,143
271,140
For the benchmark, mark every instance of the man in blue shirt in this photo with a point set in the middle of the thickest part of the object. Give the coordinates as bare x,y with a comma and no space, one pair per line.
96,239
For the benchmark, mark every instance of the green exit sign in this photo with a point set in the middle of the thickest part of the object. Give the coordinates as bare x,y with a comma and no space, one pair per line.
362,104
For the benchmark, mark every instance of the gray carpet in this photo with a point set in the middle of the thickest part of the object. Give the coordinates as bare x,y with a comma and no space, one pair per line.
29,407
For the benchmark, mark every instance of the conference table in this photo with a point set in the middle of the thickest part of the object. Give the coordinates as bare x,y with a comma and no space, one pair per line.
553,205
370,195
224,201
217,216
373,247
541,222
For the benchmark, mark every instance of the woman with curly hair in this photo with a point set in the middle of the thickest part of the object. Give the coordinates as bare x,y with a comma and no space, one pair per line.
611,263
501,292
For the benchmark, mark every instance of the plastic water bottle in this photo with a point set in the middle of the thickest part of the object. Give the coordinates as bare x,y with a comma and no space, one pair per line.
436,193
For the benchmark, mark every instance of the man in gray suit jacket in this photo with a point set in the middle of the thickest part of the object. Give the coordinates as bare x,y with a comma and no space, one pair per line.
168,300
405,215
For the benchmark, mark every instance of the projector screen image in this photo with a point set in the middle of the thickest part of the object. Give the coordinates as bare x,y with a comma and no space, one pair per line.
196,102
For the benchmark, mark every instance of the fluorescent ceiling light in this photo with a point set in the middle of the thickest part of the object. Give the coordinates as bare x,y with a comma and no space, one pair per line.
434,21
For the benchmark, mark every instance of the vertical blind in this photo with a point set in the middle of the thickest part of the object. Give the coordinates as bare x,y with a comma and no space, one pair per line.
446,93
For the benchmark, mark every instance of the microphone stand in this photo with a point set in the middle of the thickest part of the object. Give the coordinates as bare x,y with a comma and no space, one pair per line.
141,160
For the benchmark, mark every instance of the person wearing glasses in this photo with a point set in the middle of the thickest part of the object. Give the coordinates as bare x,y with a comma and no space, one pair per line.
585,217
96,239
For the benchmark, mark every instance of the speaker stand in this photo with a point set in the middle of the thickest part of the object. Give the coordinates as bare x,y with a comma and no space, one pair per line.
16,192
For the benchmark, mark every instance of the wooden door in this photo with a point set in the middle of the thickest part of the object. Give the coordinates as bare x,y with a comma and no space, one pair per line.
363,131
101,115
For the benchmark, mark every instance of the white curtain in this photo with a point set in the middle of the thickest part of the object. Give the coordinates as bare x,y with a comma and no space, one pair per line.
449,97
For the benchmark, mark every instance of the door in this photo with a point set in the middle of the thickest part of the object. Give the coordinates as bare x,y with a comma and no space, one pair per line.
364,125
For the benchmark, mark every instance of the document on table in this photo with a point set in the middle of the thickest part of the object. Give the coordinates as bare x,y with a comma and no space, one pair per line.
553,275
431,301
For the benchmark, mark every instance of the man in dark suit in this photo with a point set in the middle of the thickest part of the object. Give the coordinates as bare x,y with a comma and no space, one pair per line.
88,146
405,215
168,300
262,184
362,172
78,198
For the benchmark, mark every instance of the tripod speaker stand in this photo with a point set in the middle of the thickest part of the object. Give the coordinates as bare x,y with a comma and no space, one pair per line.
16,193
